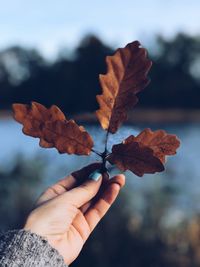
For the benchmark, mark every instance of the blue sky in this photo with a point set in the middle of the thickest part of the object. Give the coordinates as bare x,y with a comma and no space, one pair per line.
50,25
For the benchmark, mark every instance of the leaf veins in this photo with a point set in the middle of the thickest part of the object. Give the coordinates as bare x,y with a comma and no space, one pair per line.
126,76
144,153
53,129
160,142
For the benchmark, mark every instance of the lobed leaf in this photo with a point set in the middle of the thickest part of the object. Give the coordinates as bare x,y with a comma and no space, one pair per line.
162,143
126,76
53,128
144,153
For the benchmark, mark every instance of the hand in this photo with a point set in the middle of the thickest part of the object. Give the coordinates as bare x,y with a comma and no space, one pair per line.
68,212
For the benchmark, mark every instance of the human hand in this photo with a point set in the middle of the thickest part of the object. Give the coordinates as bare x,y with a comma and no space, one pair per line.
68,212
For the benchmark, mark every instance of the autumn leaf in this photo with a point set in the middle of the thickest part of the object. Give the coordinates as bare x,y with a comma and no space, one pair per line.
144,153
53,129
134,156
126,76
162,143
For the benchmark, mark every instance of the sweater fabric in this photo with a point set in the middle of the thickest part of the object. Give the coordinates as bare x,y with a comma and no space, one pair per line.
20,248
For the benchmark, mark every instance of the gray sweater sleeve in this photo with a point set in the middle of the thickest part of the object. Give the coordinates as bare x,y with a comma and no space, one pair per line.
19,248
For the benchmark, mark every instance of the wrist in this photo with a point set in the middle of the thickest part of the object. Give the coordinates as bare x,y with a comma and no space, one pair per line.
32,225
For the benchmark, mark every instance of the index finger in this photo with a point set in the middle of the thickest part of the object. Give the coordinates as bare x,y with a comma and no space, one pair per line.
81,175
67,183
96,212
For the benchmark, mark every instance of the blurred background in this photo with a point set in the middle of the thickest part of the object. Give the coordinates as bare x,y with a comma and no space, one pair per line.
52,52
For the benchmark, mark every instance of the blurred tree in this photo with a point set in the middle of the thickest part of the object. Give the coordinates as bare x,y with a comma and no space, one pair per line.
18,188
175,74
17,65
72,82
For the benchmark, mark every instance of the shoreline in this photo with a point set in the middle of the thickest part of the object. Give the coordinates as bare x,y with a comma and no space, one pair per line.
137,116
150,116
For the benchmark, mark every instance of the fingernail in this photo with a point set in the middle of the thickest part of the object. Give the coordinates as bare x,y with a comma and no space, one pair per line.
95,175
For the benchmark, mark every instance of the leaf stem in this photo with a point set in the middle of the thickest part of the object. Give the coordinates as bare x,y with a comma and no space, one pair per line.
104,156
107,155
106,141
96,152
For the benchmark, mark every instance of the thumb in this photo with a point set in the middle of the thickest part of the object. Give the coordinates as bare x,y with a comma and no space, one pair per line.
80,195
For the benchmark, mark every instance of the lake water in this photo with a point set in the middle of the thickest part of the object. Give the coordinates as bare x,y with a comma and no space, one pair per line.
182,170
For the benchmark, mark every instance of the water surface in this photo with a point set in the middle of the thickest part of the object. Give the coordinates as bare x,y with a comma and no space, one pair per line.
182,171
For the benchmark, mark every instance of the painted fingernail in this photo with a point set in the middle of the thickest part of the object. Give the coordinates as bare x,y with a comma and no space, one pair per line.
95,175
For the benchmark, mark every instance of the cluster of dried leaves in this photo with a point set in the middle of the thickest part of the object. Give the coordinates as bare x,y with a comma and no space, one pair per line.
125,77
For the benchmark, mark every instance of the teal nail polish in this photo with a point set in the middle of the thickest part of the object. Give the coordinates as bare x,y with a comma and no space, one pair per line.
95,175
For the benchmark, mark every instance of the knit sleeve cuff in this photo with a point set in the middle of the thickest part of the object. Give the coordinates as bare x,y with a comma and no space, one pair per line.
22,248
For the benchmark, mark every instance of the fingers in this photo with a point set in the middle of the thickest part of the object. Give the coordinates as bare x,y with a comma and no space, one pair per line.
86,206
80,195
63,185
81,225
67,183
117,179
85,223
82,174
96,212
57,189
74,178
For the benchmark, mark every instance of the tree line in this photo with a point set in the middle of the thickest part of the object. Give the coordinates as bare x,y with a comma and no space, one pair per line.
71,81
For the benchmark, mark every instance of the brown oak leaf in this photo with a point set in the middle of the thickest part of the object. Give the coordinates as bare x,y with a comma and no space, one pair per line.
160,142
53,128
136,157
144,153
125,77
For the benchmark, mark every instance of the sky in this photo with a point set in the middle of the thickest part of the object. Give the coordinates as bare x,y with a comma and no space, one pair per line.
50,25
